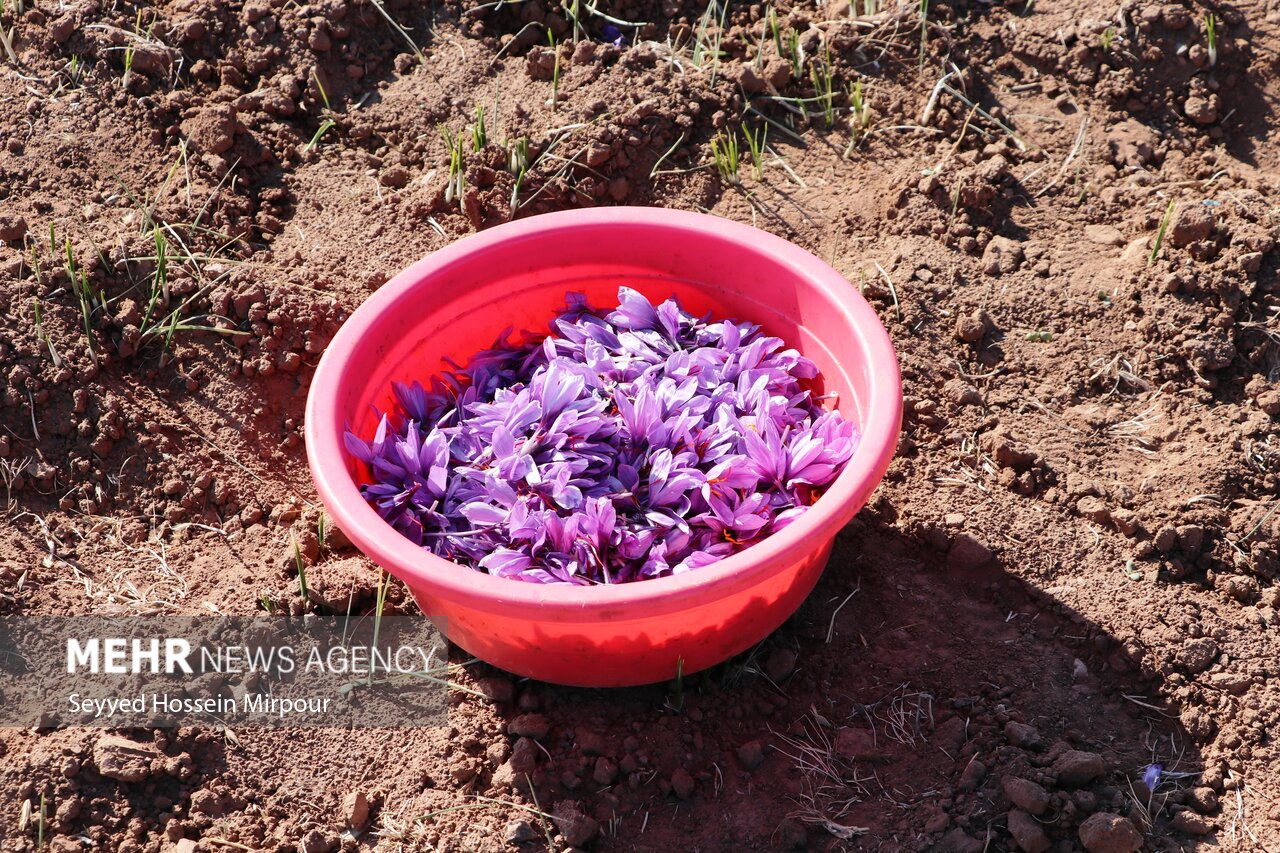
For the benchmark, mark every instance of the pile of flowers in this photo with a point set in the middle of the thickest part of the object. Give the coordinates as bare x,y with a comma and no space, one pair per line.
628,444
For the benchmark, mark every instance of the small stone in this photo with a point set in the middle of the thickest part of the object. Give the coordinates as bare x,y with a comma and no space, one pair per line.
1026,795
751,754
61,29
1197,655
576,827
1126,521
278,104
12,227
1104,235
1027,832
182,845
524,757
355,810
792,835
1002,255
1075,767
1191,224
520,832
592,743
1093,508
855,744
123,759
619,189
1250,262
529,725
212,129
1166,539
1203,799
1023,736
972,327
972,775
780,663
950,735
962,393
1191,823
1201,110
1109,833
206,802
315,841
395,177
496,689
1242,588
682,783
605,771
597,155
958,841
967,553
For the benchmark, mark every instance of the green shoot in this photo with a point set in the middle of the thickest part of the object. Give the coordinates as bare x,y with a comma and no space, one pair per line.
859,106
479,136
6,36
555,73
859,115
80,286
128,66
518,155
44,335
755,146
924,29
328,123
795,52
159,278
131,51
1211,36
322,529
44,816
303,592
75,72
518,164
1026,10
1040,336
771,20
1164,226
573,11
379,605
824,90
325,126
705,49
1108,36
324,96
724,151
457,181
267,604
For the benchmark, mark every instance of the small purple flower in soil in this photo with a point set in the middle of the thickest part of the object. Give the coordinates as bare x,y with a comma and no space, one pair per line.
612,35
1151,776
633,443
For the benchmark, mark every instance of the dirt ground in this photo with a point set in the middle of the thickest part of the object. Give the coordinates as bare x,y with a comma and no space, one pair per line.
1065,213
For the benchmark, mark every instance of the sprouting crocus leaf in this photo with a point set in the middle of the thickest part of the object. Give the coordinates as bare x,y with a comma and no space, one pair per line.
633,443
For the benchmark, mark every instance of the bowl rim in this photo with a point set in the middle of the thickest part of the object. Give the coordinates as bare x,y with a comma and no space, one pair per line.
422,570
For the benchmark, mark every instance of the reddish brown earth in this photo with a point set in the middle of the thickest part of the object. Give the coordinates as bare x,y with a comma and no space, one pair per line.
1070,572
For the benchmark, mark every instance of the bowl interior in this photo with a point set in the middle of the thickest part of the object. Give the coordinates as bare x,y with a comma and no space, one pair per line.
461,307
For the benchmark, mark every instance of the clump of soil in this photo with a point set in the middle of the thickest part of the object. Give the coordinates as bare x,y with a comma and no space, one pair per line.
1065,217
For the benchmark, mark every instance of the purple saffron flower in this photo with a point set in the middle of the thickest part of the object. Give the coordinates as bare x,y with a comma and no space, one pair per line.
635,443
612,35
1151,776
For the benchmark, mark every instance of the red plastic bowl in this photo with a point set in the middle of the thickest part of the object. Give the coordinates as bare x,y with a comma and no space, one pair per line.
457,300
